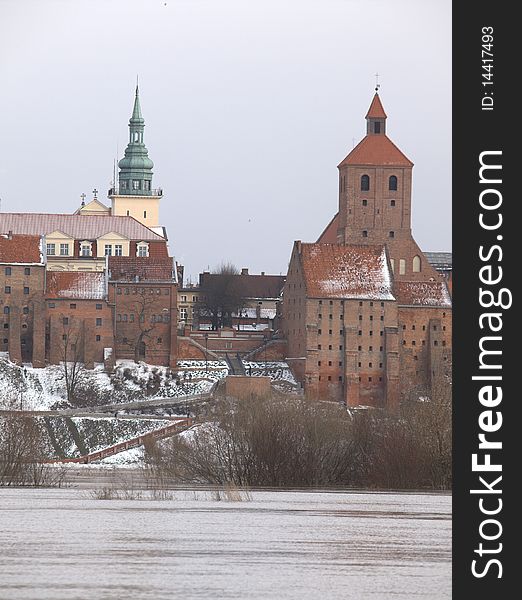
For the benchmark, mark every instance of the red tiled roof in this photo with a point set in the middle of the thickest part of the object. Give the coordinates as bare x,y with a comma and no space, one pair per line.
127,268
336,271
422,293
23,249
376,111
79,227
377,150
252,286
329,235
77,285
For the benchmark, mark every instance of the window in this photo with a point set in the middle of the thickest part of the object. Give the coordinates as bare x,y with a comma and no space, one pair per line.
319,346
98,338
365,183
8,270
51,249
135,184
6,325
371,317
413,343
65,320
416,264
318,363
6,310
196,299
26,290
329,378
125,318
7,289
108,249
98,322
359,332
371,303
118,250
340,348
435,343
72,305
377,127
329,363
392,202
370,365
359,348
64,249
369,379
370,349
340,332
99,307
320,316
183,298
143,250
131,317
160,340
144,214
402,266
365,233
365,202
25,310
183,314
146,185
329,346
392,183
6,341
127,291
118,318
51,305
391,234
392,263
123,186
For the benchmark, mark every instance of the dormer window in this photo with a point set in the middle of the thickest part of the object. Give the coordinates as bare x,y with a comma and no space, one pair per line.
85,249
142,249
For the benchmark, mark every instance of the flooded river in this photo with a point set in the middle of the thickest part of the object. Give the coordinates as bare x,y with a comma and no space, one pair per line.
64,544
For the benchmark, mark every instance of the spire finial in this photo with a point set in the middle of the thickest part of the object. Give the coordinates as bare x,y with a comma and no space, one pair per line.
377,84
83,196
137,85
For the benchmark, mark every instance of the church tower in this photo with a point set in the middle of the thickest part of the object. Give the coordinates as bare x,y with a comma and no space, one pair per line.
375,198
134,195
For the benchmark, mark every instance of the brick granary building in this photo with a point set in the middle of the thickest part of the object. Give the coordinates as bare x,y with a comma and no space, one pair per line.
367,317
95,285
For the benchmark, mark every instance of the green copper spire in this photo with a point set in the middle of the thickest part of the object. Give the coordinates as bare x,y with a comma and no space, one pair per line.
135,177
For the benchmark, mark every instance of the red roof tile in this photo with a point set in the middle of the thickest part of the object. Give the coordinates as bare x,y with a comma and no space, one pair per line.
127,268
329,235
25,249
335,271
77,285
377,150
376,111
422,293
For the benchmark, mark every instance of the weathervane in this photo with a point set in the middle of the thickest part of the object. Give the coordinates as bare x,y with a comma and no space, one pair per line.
377,84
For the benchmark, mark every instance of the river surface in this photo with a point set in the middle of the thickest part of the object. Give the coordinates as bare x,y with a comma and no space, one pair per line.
65,544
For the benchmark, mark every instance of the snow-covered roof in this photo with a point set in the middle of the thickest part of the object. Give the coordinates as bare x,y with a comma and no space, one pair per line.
351,271
80,285
422,293
442,261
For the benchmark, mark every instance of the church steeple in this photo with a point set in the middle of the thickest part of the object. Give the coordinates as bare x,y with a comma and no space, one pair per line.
135,177
376,117
134,196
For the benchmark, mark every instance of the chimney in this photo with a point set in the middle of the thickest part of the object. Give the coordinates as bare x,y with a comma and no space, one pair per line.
244,271
262,272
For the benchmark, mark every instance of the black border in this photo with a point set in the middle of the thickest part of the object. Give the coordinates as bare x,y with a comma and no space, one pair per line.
474,131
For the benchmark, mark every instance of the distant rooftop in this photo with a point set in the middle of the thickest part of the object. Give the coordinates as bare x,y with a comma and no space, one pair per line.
442,261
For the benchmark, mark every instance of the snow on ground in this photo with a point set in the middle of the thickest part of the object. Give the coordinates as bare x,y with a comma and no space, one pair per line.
44,389
277,370
129,458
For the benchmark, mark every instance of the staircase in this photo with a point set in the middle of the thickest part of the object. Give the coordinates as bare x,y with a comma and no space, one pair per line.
235,365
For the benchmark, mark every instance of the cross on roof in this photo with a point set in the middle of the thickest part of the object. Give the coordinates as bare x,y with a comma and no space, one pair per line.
83,196
95,192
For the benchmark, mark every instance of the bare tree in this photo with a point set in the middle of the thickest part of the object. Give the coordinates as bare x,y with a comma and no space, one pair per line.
71,355
220,296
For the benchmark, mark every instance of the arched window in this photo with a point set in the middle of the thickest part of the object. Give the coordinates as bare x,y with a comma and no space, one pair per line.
392,183
402,266
6,310
365,183
416,264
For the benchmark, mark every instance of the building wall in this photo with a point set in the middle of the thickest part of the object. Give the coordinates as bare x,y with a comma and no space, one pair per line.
137,206
88,325
21,293
156,303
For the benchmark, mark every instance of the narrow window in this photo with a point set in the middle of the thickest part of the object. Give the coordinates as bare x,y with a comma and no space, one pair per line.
8,270
365,234
25,310
6,310
365,202
392,183
64,249
27,271
7,289
65,321
98,307
98,338
365,183
392,203
377,127
392,234
416,264
26,291
402,266
98,322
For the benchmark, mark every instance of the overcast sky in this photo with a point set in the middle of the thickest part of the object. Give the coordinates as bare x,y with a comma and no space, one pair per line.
249,107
